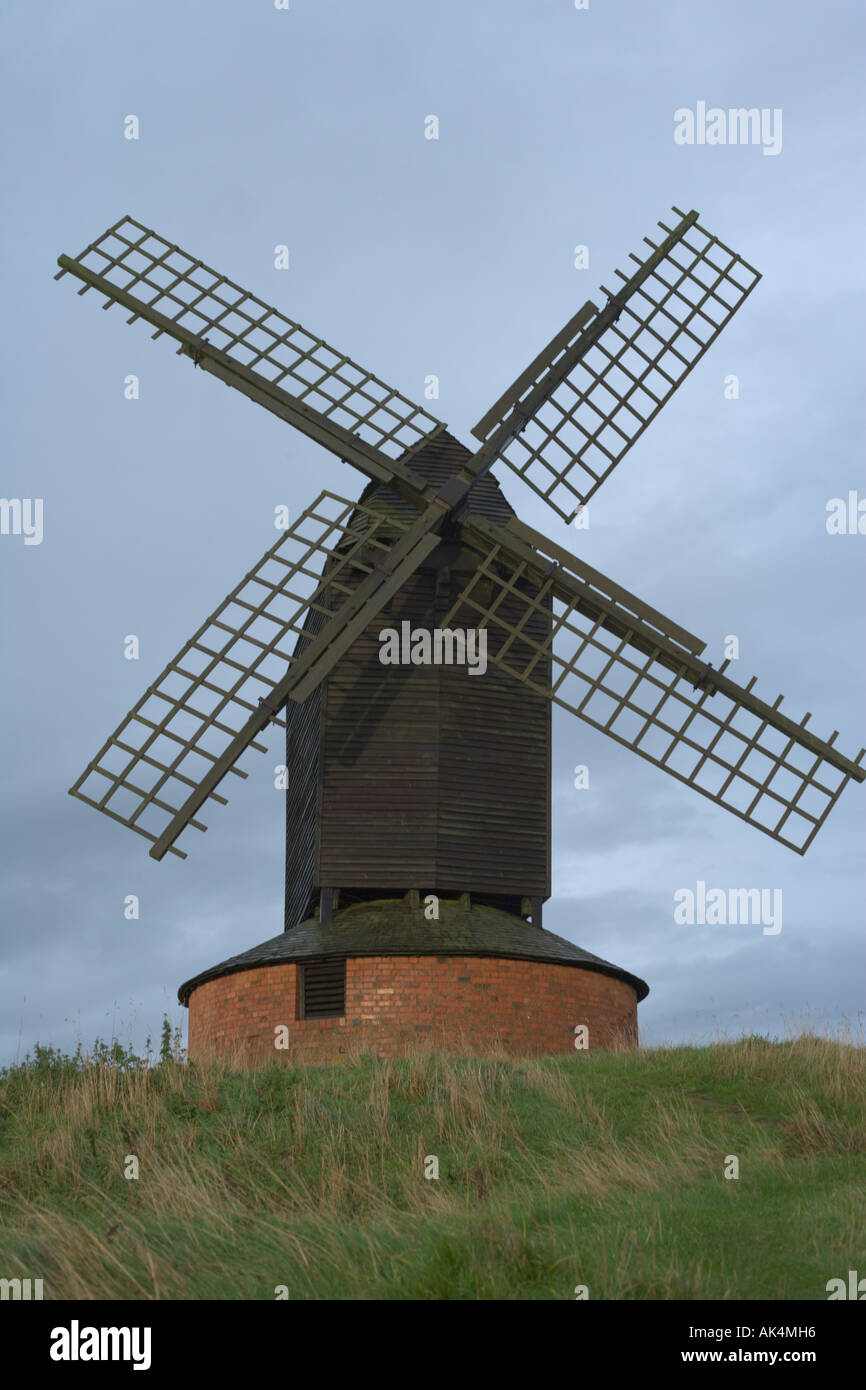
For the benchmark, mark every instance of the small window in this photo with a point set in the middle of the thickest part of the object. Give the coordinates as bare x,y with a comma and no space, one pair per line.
323,989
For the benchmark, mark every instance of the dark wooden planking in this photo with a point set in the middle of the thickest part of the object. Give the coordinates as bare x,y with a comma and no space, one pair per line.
303,761
380,747
420,777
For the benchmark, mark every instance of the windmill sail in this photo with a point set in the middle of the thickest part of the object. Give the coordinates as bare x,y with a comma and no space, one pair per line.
253,347
572,416
602,660
232,677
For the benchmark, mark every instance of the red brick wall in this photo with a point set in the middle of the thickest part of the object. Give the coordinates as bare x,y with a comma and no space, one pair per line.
391,1001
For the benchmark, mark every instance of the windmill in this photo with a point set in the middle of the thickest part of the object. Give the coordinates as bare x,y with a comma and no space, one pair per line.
418,801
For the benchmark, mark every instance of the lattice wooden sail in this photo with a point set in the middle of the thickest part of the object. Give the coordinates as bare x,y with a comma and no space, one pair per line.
232,677
589,396
649,692
219,325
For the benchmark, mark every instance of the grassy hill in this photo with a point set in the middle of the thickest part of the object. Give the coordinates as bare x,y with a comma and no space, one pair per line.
601,1169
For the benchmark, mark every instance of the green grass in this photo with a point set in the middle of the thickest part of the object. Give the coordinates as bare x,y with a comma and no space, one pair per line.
603,1169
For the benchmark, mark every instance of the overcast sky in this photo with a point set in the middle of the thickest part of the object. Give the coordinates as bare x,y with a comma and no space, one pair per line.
454,256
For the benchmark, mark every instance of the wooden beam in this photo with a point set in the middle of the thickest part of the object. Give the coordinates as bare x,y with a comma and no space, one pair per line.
572,590
309,421
536,366
321,656
569,359
608,586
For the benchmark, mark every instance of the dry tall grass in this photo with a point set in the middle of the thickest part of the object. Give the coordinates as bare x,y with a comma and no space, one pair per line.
604,1169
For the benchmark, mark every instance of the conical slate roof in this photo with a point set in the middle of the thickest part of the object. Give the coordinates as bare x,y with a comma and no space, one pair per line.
390,927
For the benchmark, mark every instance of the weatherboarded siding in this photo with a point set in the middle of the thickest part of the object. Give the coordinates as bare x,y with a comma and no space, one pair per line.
420,777
494,811
432,778
380,762
303,760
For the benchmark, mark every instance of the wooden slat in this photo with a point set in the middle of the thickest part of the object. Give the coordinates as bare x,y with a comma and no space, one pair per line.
544,359
656,699
608,586
135,261
276,399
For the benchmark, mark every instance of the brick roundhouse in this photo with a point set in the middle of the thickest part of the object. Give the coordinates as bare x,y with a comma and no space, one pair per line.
417,858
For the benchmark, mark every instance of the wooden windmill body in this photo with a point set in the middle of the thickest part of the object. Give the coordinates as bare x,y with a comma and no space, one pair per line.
420,776
418,795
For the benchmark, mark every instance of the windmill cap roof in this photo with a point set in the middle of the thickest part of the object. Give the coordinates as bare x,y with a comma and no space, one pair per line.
436,462
390,927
